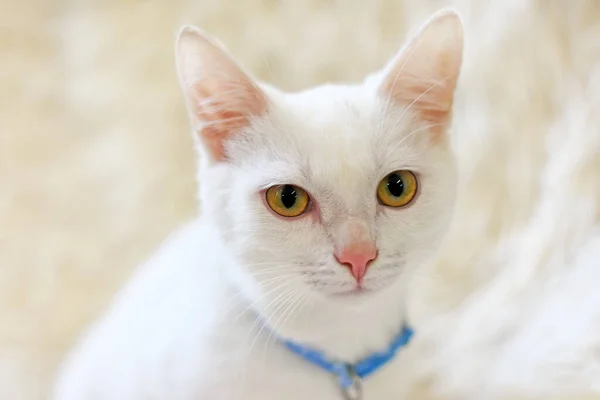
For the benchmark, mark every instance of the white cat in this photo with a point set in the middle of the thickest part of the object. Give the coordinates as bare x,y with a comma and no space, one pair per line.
317,208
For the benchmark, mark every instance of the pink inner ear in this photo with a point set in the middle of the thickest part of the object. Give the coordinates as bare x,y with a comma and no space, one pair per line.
430,100
224,109
424,75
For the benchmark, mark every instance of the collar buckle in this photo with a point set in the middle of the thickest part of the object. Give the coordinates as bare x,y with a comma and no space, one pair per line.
352,388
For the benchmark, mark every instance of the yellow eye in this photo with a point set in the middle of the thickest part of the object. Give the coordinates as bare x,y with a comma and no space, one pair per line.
287,200
397,189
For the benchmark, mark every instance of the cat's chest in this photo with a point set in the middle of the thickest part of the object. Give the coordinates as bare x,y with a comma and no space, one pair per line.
250,363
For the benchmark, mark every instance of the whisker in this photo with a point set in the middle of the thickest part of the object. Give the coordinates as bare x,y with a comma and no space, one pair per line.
255,302
276,325
411,133
405,63
399,118
262,282
257,319
263,263
268,66
275,278
273,301
282,300
291,311
419,97
276,269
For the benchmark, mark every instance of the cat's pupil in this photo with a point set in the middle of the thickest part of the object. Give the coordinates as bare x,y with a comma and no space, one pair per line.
288,196
395,185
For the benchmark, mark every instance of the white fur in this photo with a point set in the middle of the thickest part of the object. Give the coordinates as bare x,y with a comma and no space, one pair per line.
197,321
510,307
524,321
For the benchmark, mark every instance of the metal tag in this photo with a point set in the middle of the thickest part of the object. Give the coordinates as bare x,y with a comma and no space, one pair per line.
354,391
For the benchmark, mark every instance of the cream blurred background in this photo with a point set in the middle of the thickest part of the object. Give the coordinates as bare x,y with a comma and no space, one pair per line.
96,162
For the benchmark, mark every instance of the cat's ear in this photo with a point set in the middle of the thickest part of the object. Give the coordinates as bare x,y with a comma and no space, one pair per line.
423,75
221,98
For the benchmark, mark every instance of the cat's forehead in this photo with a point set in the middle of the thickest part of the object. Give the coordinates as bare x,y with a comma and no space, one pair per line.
332,129
337,139
334,121
342,128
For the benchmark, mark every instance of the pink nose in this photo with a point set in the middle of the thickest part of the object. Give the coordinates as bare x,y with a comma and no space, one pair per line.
357,258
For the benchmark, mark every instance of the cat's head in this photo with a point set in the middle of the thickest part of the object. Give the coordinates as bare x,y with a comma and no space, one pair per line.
335,192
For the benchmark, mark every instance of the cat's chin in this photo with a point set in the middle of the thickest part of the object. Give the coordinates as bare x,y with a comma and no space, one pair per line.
358,291
371,289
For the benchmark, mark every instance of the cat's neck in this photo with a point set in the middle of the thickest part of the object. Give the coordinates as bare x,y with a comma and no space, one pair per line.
349,332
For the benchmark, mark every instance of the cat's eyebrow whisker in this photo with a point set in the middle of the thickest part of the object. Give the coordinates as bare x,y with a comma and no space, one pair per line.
405,63
411,133
419,97
399,118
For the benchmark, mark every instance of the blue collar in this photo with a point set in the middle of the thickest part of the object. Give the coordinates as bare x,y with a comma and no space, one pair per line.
347,373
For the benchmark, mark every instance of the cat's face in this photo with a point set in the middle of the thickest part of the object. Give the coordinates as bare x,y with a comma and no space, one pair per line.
335,192
305,186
